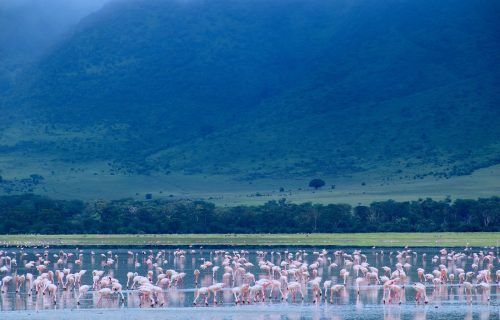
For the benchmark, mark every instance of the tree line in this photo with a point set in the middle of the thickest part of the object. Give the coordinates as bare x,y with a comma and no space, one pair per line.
38,214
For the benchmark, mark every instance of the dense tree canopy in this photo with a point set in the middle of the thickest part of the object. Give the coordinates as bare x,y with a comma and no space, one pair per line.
37,214
258,88
316,183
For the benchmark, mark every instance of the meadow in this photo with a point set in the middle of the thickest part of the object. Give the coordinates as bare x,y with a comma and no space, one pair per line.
436,239
94,180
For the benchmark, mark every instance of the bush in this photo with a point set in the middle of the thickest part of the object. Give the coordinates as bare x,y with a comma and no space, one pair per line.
316,183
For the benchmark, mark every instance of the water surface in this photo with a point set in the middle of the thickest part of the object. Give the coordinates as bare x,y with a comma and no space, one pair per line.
447,301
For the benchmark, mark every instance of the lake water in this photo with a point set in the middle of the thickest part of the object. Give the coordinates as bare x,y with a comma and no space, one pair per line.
446,301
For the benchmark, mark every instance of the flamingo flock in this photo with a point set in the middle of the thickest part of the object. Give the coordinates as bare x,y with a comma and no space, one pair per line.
162,277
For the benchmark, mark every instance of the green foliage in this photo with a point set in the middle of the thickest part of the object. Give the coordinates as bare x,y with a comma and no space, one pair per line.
316,183
36,214
294,87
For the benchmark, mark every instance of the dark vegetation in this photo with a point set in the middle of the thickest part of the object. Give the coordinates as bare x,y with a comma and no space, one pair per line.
288,88
316,183
21,185
30,27
37,214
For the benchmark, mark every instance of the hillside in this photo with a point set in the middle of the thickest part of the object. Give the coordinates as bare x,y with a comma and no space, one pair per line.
398,90
28,29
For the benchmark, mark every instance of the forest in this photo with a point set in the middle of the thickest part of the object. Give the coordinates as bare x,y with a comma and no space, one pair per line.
34,214
263,93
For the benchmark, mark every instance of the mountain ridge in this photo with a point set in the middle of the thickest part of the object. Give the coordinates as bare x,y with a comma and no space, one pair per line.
257,90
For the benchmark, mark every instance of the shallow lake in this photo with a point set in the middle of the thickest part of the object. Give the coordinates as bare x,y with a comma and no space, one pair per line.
448,300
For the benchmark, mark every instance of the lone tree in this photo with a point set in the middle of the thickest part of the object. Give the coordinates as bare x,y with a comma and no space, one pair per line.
316,183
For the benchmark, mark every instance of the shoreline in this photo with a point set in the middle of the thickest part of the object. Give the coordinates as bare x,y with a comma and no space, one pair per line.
435,239
243,312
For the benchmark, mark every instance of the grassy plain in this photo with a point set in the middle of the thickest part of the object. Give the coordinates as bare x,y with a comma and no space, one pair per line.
444,239
92,181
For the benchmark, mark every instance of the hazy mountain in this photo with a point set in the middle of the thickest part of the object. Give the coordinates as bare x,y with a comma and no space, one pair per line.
29,27
260,88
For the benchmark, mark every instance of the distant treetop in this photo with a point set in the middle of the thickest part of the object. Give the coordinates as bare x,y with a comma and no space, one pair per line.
316,183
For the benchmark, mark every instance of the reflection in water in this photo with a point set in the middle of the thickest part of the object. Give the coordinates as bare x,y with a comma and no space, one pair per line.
336,284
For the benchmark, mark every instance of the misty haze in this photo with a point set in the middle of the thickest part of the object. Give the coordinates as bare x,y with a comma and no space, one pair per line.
280,134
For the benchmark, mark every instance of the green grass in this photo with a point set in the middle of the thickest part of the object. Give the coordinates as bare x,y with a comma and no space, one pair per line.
444,239
83,183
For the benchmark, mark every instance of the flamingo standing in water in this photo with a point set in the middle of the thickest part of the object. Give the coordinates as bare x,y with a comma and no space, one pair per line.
5,281
203,291
272,270
82,291
421,292
336,290
295,287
